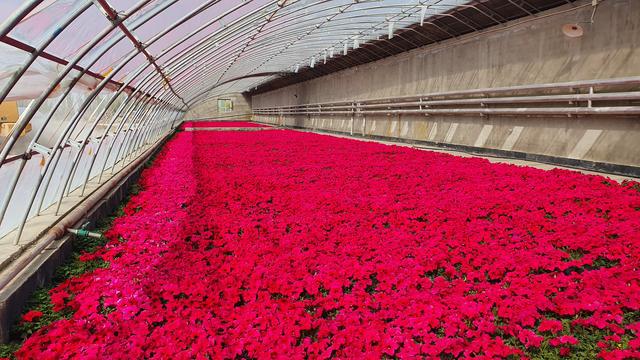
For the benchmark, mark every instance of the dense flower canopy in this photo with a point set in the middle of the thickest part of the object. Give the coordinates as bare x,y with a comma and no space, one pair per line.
282,244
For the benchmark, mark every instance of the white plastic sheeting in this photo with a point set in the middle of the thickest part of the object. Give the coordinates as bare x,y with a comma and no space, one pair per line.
37,78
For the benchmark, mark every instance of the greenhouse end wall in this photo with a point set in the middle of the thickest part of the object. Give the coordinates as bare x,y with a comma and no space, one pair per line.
208,109
528,51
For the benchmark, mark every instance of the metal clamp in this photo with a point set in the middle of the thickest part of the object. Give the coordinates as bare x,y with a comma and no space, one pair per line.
41,149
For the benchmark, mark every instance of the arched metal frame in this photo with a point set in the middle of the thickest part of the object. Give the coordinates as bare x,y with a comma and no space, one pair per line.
217,55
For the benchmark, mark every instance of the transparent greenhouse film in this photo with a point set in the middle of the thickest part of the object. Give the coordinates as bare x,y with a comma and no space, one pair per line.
53,187
84,164
180,48
109,120
82,31
107,54
217,55
129,68
176,10
183,10
269,38
108,162
89,121
98,139
73,27
44,22
55,112
26,185
215,43
37,77
116,47
135,78
8,8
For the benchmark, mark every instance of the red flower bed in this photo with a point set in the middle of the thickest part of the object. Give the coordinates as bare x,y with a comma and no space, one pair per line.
222,124
281,244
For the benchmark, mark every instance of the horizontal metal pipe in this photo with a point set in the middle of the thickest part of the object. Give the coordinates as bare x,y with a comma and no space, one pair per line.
621,96
584,84
609,110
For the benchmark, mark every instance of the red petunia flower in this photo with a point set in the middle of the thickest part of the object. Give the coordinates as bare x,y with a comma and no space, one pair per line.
32,315
553,326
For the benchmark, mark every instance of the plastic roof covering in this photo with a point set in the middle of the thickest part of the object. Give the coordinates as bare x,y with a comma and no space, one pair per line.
202,44
98,81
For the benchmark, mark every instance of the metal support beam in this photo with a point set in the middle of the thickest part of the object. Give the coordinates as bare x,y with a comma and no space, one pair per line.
115,19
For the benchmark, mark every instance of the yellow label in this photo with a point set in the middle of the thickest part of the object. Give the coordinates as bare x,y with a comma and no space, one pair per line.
107,72
9,112
5,129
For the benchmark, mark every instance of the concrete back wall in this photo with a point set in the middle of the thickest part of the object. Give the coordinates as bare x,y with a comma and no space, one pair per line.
208,108
526,51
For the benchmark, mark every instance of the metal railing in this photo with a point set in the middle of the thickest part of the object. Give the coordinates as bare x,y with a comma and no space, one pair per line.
619,96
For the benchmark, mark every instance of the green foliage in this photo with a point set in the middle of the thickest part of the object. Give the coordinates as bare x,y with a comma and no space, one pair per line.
310,333
7,350
349,289
588,338
40,301
75,268
371,289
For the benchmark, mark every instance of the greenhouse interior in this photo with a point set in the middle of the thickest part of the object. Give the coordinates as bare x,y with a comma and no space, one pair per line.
320,179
